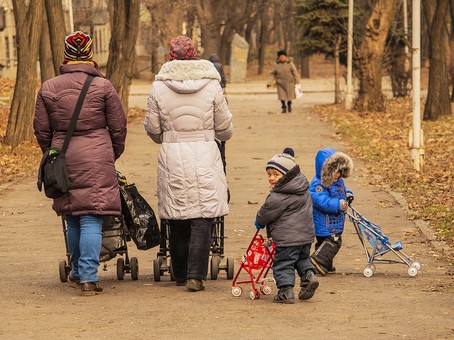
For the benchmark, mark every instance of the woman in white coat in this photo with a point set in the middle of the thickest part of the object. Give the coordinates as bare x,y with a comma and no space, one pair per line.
186,112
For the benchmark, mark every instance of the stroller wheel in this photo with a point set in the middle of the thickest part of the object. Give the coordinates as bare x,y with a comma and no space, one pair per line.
412,271
156,270
63,271
416,264
134,265
254,294
265,290
215,260
368,271
120,269
230,268
236,291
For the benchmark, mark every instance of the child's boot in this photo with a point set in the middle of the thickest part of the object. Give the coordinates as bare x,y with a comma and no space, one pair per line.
284,295
309,285
322,258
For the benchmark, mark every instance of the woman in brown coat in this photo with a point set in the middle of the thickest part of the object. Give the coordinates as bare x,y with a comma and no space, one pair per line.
98,140
285,75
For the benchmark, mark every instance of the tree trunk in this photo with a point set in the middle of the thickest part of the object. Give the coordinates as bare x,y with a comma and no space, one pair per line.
305,67
28,32
263,37
125,28
55,19
438,101
46,65
337,77
210,25
370,56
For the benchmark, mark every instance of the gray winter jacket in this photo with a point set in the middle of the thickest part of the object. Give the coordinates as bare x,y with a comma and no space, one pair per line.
186,112
287,211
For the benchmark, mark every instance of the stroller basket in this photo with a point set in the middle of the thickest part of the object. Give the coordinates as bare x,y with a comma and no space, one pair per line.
376,244
257,262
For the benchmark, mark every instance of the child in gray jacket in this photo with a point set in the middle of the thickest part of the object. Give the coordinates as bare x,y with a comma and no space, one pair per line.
287,214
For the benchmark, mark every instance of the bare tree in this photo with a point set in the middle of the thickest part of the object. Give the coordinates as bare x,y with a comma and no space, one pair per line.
28,20
124,18
370,56
438,101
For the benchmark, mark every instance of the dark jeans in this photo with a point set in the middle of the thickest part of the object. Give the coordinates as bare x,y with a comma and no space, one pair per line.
286,260
189,243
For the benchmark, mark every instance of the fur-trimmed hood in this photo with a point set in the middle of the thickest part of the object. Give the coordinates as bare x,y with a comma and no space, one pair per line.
328,161
188,70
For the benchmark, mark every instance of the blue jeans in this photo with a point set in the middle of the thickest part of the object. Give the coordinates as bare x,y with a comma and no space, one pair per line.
189,244
84,243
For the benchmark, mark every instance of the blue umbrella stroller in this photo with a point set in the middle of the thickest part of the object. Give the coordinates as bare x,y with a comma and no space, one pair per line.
376,245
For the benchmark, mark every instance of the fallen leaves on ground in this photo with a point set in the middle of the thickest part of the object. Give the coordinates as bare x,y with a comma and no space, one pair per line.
381,140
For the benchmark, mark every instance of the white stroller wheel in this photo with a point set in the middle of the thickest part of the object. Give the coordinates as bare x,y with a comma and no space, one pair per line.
372,266
412,271
368,271
237,291
254,294
416,264
266,290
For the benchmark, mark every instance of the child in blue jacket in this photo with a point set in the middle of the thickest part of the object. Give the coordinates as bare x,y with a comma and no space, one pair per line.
330,199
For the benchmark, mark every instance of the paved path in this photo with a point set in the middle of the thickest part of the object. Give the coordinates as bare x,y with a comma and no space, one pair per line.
34,304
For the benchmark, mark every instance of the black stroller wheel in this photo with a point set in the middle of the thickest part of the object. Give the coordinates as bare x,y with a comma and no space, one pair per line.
120,269
156,270
64,272
134,265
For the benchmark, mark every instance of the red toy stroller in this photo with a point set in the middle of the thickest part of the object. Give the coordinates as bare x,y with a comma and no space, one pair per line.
257,262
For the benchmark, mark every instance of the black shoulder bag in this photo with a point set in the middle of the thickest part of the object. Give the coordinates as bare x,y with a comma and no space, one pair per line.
52,169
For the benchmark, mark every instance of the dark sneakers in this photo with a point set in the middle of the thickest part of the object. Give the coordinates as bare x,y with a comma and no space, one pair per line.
284,295
90,289
181,283
194,285
309,285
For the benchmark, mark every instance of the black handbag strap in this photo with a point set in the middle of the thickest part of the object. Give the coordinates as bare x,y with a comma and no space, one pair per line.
75,116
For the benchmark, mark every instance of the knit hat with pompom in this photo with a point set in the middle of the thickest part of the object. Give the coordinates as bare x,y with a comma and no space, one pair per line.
282,162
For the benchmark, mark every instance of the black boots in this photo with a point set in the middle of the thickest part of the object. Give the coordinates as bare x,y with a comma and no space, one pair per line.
322,258
285,108
289,105
309,285
284,295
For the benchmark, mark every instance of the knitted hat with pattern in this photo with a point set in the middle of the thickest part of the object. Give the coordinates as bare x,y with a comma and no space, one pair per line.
282,162
78,47
182,48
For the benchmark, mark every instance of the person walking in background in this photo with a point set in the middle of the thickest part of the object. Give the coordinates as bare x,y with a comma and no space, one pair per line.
287,215
220,68
98,140
186,112
285,76
330,199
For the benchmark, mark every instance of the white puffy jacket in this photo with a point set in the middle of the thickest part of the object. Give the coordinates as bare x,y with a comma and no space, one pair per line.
186,112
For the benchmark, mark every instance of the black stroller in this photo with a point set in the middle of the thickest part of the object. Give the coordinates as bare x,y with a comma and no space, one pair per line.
114,242
376,245
162,263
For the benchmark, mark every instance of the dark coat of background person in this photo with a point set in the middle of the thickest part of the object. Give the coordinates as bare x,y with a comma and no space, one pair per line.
97,142
219,67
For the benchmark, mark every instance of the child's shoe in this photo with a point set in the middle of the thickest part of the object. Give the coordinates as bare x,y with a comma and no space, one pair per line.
309,285
285,295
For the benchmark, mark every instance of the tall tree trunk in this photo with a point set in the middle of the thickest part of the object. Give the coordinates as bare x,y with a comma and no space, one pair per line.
46,65
125,28
438,101
28,20
337,91
263,37
210,25
370,56
305,67
55,19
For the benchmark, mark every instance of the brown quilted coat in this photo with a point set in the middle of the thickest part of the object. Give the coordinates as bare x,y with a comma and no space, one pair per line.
98,139
285,76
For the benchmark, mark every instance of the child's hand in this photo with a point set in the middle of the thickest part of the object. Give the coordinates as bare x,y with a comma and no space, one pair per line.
343,205
258,226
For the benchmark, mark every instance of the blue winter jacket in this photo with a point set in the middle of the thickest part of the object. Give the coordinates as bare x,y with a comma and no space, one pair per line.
326,195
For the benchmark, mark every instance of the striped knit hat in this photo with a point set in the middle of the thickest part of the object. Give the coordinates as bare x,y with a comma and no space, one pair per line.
78,47
182,48
282,162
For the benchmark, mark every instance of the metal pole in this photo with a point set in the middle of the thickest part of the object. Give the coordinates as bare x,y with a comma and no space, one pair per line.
349,93
416,136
